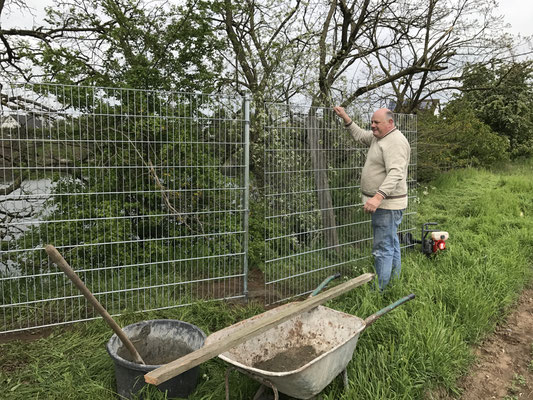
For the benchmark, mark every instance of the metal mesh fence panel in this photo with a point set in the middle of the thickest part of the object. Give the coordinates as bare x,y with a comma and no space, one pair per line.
315,223
142,192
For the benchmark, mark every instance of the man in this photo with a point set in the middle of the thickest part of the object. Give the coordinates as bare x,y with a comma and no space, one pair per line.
383,187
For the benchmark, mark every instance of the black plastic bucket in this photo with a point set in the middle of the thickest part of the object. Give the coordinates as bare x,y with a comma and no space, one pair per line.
159,342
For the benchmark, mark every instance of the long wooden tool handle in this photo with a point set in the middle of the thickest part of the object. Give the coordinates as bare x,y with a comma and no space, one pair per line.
57,258
176,367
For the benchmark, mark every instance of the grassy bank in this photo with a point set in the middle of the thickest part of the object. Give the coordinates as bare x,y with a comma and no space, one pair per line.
461,296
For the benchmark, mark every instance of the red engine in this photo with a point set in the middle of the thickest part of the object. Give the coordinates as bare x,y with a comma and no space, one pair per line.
439,240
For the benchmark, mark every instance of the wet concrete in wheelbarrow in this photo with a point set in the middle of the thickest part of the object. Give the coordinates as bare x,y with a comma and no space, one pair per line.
289,360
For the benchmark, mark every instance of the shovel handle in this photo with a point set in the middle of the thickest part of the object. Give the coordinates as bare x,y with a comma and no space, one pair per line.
371,319
57,258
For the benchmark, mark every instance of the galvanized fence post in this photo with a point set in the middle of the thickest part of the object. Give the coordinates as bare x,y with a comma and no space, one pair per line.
246,190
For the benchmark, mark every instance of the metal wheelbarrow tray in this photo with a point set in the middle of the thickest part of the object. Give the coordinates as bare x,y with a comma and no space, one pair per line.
333,335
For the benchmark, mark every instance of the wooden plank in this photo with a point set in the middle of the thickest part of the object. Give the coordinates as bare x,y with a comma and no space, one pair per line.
191,360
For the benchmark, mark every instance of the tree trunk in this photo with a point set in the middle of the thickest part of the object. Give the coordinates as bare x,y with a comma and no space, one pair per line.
319,163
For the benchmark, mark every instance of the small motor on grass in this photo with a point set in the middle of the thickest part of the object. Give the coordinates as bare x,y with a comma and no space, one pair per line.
432,241
439,240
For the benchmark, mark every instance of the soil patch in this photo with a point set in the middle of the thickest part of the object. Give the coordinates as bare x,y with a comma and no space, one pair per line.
230,287
256,285
504,367
289,360
26,336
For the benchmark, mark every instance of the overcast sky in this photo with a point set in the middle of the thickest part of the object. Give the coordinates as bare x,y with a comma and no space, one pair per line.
518,13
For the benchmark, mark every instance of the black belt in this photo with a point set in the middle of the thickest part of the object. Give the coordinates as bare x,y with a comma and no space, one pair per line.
388,197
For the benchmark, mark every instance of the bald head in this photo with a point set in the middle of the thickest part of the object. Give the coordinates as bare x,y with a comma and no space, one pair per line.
382,122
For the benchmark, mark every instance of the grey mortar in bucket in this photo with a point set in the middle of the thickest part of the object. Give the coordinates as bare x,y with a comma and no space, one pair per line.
159,342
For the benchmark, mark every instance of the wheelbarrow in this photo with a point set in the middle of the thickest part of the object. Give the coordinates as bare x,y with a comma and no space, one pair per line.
301,356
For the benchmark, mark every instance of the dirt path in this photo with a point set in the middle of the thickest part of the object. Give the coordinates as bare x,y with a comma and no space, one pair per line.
504,369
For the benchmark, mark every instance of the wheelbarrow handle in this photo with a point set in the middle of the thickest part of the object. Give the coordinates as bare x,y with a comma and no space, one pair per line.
324,284
371,319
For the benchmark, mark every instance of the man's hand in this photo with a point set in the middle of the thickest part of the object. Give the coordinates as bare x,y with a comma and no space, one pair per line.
373,203
341,113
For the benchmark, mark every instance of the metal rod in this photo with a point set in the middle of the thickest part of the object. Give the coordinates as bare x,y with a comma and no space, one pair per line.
246,190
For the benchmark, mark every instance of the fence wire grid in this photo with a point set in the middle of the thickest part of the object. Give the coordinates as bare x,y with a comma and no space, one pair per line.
315,224
146,194
143,192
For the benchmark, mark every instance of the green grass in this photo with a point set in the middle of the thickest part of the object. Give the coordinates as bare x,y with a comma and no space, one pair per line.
461,294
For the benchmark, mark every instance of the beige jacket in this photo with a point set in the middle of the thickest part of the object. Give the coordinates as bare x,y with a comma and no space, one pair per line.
385,169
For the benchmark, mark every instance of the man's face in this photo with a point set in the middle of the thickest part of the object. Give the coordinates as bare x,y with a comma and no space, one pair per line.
380,124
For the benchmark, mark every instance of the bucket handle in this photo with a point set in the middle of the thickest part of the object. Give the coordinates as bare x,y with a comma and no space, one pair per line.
371,319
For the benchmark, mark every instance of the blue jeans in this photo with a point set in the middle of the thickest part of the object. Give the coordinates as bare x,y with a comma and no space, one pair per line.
386,247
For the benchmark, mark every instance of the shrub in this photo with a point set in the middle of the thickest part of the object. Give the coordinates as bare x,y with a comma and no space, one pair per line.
456,139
